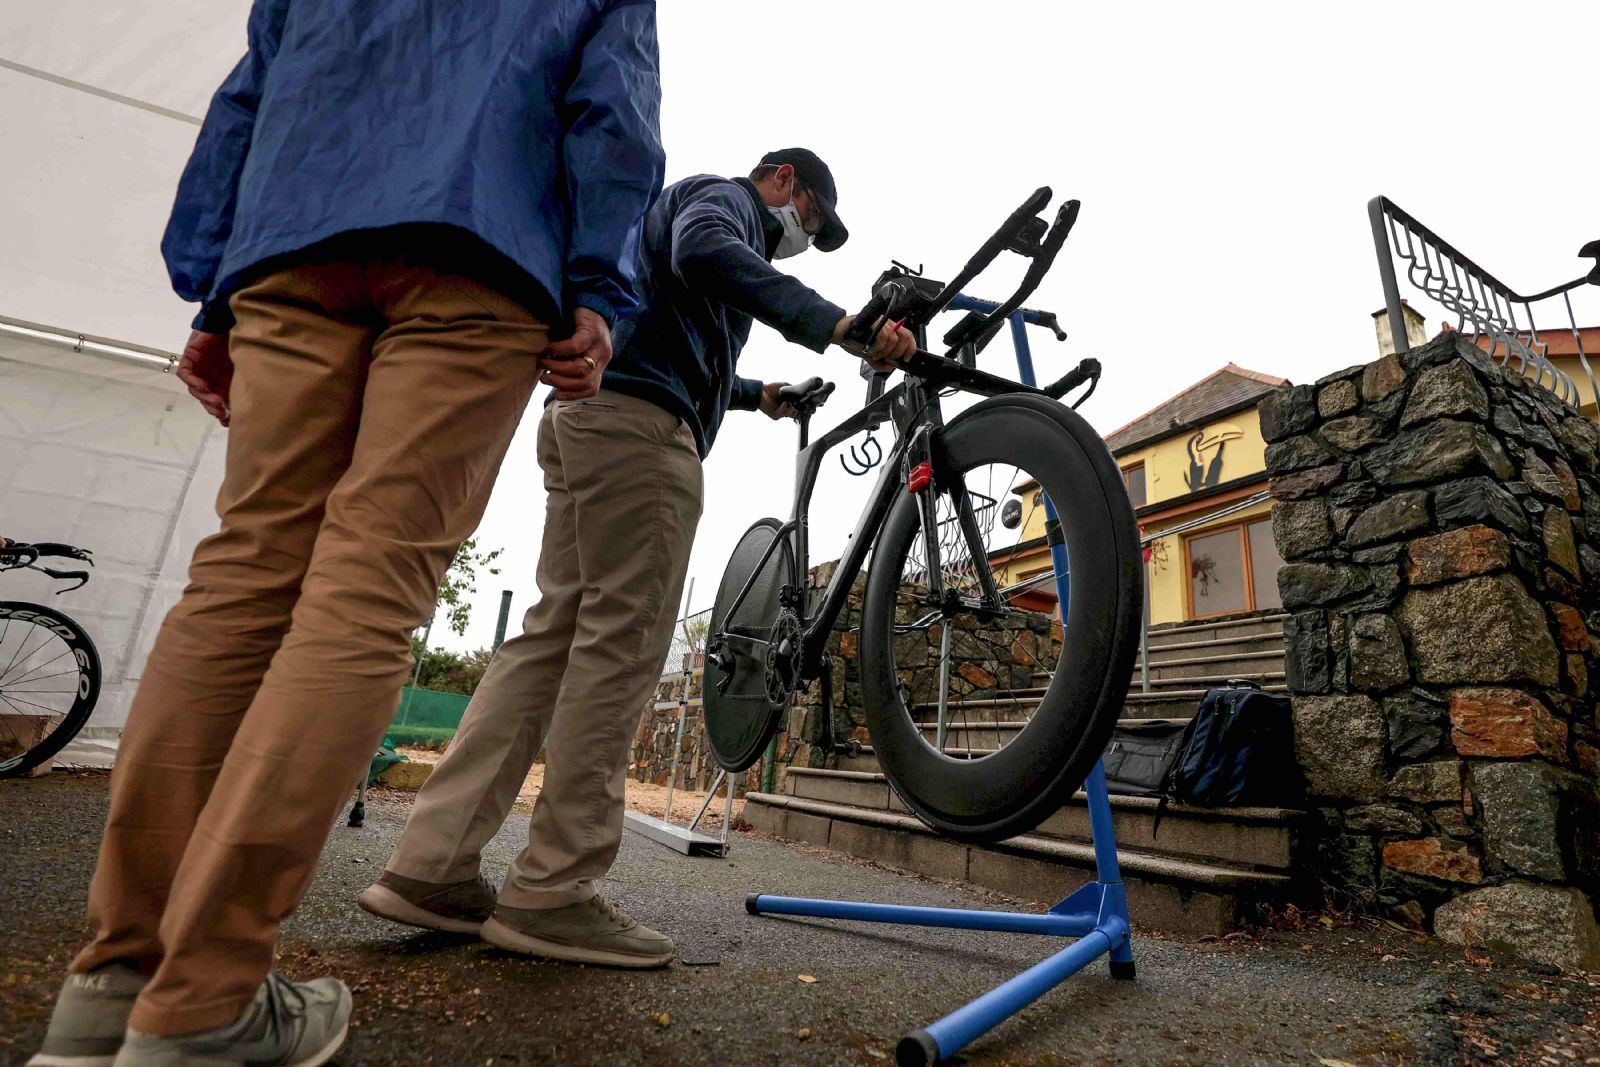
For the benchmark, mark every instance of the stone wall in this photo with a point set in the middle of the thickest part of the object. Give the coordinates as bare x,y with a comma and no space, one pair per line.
1439,518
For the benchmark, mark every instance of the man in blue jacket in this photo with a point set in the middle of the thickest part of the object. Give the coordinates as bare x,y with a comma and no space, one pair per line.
389,213
623,482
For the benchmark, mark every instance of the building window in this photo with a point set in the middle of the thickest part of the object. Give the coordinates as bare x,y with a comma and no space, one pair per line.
1233,569
1133,478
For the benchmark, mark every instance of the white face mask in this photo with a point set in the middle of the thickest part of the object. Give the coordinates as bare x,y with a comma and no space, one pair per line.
795,238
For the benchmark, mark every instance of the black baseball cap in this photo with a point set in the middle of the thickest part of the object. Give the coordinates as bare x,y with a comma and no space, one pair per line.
819,179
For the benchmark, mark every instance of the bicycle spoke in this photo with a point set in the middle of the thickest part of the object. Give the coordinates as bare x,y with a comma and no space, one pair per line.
53,712
22,645
40,667
979,686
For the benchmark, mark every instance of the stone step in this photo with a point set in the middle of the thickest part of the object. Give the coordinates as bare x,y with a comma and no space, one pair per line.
1263,838
1222,629
1233,665
1164,892
1226,646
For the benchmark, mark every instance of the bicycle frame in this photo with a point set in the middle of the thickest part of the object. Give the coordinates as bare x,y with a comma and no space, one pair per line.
913,406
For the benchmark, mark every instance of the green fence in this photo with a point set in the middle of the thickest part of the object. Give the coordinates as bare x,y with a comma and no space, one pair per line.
427,716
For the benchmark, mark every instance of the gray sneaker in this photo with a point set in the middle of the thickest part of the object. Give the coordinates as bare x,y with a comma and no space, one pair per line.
454,907
288,1024
90,1016
593,931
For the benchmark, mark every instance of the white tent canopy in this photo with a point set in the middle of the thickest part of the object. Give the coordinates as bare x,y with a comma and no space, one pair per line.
99,444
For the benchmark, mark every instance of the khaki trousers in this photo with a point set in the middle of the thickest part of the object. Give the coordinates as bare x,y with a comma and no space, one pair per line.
373,402
623,495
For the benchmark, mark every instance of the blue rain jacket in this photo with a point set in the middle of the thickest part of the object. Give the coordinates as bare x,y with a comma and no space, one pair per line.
705,272
531,124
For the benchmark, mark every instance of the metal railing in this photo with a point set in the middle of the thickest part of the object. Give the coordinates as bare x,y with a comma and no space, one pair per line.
1485,307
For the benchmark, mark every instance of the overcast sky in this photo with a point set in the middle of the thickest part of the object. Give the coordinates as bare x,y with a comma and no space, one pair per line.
1224,154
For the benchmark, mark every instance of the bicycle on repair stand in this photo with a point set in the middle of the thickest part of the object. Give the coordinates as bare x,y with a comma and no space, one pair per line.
49,669
985,713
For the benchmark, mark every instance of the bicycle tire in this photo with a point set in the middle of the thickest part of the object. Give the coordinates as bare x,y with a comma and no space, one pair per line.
740,717
1014,789
88,693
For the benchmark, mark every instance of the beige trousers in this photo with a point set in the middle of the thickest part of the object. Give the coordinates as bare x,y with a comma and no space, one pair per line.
623,495
373,402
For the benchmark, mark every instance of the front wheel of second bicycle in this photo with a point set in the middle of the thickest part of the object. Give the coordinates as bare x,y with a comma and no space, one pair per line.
986,721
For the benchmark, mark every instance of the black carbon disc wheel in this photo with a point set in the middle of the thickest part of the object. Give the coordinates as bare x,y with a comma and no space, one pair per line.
986,724
741,714
49,682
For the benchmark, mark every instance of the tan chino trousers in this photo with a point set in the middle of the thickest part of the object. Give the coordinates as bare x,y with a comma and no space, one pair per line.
623,496
373,402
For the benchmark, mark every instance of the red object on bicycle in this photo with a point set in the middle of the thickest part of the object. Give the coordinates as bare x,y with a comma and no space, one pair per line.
921,477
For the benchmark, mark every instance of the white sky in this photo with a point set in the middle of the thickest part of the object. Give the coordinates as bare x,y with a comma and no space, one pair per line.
1224,155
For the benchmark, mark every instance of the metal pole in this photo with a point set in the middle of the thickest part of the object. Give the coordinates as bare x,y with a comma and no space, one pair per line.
683,702
677,741
505,616
1391,287
1144,635
427,632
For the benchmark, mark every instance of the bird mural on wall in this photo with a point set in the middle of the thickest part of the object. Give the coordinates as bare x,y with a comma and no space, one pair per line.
1203,475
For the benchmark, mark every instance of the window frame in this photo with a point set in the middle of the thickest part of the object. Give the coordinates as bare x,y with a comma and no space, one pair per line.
1143,476
1241,529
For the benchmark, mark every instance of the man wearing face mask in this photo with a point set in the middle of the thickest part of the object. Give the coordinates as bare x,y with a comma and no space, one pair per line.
623,483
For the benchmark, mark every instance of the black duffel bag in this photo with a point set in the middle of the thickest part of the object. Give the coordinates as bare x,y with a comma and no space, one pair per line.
1141,755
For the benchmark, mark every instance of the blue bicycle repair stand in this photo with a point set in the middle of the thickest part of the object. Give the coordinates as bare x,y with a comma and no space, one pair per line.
1096,914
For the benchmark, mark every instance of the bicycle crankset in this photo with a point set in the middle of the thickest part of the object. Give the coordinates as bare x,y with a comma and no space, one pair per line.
783,658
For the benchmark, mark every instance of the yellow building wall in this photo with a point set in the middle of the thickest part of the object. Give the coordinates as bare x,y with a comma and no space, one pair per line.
1166,465
1574,369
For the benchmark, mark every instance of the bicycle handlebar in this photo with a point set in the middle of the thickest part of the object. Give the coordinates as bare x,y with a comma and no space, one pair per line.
1022,232
806,396
18,556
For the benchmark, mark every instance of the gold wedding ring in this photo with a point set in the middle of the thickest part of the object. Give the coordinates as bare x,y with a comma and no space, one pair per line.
589,361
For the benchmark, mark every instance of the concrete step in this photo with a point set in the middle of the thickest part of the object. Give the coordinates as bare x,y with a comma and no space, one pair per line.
1231,629
1164,892
1263,838
1172,703
1209,680
972,734
1272,641
1231,665
1169,698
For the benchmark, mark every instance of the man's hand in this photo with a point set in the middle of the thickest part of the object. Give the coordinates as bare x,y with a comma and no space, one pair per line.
892,345
207,369
771,407
574,366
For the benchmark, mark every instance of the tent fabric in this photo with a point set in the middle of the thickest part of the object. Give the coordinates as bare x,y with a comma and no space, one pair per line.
90,179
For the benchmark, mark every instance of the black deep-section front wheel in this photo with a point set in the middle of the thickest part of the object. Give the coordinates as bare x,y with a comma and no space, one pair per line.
49,682
742,688
986,711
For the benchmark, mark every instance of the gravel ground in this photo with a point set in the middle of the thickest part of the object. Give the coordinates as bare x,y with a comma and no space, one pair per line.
646,797
1332,994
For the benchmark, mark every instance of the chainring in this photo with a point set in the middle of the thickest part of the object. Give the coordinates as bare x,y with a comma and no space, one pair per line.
783,658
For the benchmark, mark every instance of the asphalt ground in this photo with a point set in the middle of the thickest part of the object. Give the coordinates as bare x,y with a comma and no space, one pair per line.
1309,990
